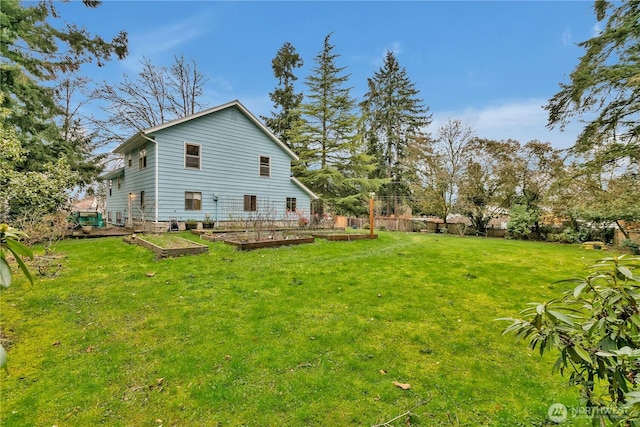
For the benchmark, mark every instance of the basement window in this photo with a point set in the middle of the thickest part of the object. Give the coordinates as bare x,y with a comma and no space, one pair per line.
291,204
192,201
250,203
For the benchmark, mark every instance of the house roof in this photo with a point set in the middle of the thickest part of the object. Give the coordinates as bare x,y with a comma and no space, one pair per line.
304,188
113,174
146,134
89,204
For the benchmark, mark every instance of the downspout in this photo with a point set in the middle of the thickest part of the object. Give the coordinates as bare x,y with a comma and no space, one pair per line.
156,174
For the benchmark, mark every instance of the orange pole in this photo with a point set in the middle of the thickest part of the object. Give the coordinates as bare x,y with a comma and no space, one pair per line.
371,219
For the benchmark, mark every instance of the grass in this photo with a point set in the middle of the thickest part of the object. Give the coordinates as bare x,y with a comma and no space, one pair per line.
167,240
311,335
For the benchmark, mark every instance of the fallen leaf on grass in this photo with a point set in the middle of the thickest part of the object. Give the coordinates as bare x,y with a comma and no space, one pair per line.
401,385
151,274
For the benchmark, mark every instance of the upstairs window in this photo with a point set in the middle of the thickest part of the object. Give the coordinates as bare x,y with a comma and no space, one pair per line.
291,204
119,183
265,166
142,158
130,160
192,156
250,203
192,201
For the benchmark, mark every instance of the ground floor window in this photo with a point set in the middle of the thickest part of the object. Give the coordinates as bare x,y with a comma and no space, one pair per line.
291,204
192,201
118,217
250,203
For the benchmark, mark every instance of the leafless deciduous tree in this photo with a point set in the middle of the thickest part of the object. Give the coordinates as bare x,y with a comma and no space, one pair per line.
186,86
437,165
156,95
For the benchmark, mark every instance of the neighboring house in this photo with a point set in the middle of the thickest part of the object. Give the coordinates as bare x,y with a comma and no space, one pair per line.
221,164
88,204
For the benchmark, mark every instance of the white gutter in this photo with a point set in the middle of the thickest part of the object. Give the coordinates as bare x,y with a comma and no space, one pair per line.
156,174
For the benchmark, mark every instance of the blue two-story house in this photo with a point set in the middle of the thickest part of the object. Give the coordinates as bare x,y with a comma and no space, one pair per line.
220,165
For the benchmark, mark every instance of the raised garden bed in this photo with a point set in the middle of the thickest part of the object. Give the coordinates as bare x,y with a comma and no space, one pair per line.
248,245
343,237
165,246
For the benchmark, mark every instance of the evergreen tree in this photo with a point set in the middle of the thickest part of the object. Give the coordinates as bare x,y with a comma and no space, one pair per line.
393,116
333,162
34,53
284,96
604,88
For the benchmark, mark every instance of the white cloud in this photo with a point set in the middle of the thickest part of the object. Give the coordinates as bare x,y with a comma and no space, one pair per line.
523,121
378,59
395,47
566,38
596,30
167,38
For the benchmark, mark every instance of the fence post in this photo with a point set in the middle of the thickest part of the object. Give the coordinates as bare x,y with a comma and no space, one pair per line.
371,215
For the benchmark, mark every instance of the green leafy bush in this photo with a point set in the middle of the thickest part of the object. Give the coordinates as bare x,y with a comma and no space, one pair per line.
522,221
596,329
9,242
634,247
418,226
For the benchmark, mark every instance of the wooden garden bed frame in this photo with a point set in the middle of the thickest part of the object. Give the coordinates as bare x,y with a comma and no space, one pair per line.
271,243
343,237
193,248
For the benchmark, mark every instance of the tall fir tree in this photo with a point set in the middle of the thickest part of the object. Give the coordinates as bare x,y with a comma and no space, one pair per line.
393,115
333,159
285,99
35,50
604,89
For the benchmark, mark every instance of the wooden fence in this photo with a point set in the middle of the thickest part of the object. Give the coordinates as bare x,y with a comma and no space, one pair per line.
412,224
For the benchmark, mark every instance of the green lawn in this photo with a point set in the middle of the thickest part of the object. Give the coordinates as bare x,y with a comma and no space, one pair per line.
311,335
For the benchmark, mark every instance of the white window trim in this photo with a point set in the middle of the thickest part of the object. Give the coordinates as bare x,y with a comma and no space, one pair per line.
291,201
193,193
142,158
253,203
184,157
260,166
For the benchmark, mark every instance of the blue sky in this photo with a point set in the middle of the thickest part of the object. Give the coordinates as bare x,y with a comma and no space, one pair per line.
491,64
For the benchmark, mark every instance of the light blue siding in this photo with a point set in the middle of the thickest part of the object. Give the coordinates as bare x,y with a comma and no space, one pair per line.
133,182
230,148
231,145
